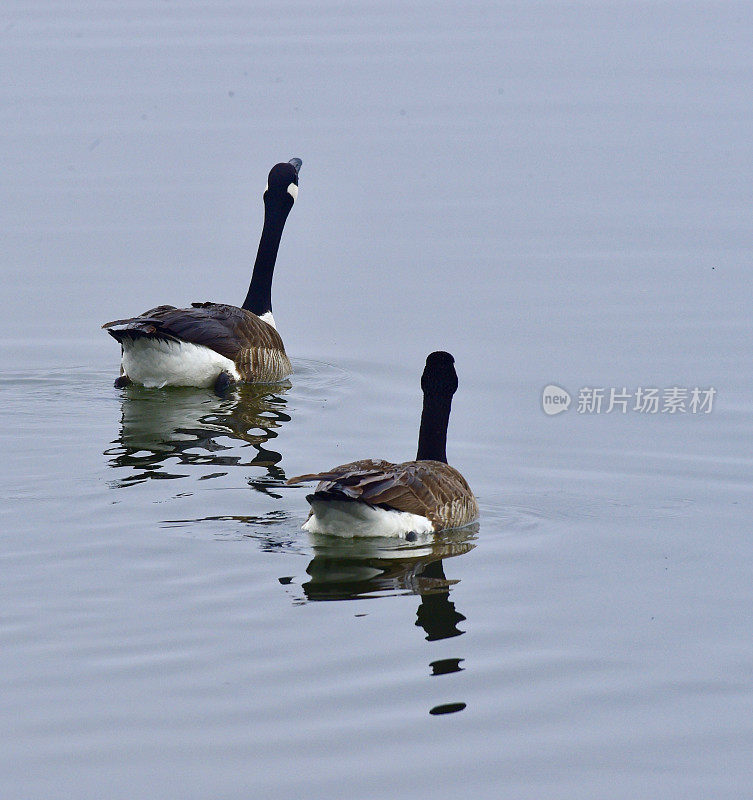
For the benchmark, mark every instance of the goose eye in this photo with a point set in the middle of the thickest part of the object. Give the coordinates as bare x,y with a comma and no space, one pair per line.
293,191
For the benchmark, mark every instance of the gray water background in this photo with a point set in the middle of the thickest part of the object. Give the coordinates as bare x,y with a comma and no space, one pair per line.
554,192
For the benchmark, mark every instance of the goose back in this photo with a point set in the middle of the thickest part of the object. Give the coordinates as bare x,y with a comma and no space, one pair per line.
430,489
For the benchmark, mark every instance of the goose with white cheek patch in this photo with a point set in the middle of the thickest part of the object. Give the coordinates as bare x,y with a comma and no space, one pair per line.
214,344
379,498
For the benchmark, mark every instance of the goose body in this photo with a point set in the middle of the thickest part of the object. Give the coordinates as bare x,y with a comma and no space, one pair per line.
168,346
214,344
381,498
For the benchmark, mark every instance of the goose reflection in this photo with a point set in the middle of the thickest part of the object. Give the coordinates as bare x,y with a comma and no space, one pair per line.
360,568
163,430
350,569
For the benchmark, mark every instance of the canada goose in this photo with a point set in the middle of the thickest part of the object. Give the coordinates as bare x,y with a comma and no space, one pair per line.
214,344
378,498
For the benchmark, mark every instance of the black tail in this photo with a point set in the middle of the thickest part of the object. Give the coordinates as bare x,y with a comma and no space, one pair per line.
135,328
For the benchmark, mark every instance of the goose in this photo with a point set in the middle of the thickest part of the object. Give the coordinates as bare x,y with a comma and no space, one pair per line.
379,498
214,344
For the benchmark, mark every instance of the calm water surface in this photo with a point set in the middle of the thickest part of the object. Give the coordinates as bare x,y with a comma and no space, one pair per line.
555,194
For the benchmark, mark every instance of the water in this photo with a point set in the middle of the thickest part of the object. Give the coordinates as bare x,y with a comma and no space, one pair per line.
554,193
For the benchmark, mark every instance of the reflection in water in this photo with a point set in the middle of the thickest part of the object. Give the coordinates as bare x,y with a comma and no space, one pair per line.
436,614
162,429
447,708
445,666
350,569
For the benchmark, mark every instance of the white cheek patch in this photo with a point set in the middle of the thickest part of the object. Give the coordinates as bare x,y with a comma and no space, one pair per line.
292,190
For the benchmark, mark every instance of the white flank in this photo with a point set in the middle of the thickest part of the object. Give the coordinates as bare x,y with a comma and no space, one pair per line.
268,318
156,363
349,518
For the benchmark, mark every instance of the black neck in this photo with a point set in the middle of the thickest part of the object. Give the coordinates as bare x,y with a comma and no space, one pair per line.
259,297
432,437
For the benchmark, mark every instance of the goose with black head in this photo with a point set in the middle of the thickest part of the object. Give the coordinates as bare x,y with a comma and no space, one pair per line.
215,344
380,498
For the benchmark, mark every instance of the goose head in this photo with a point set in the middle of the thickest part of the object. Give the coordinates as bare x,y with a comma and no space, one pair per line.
439,378
282,186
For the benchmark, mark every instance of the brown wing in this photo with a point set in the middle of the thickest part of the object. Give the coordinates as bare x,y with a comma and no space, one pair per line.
433,489
347,479
225,329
